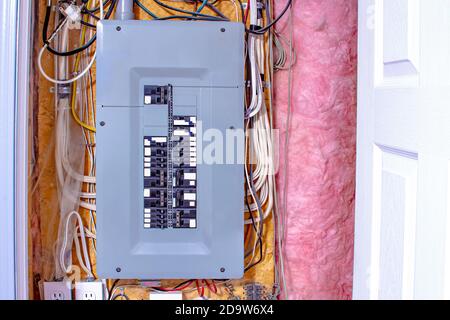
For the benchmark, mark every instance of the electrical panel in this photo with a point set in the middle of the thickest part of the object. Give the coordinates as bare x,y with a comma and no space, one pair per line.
169,200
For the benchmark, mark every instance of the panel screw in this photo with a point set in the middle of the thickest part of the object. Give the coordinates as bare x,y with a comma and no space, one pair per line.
231,128
222,269
118,28
222,30
118,269
102,123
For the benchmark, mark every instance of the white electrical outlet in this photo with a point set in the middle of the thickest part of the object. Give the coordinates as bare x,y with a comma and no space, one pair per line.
89,290
58,290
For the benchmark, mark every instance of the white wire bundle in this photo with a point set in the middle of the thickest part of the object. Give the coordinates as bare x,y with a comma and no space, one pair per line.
261,138
82,259
261,145
70,193
255,48
282,56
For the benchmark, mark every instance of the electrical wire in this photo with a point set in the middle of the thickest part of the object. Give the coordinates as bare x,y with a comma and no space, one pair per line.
254,29
216,11
287,138
192,13
68,178
282,56
190,18
83,260
74,51
202,6
74,88
258,232
87,24
68,81
145,9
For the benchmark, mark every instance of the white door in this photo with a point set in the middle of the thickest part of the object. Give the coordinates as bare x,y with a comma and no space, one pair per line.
402,236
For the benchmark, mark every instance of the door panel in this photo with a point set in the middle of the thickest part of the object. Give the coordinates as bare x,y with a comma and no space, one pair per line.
393,223
402,240
397,35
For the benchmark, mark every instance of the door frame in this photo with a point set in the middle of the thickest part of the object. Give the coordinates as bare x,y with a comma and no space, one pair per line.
15,61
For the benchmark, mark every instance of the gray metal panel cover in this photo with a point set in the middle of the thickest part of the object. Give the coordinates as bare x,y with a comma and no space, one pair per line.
205,65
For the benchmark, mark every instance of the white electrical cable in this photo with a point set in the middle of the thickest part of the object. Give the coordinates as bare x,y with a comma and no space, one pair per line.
236,10
83,260
46,76
256,82
88,233
88,195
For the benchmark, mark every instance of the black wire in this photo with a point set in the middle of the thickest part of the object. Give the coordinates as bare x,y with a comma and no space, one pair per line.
193,13
258,202
261,221
217,11
45,39
90,14
182,284
145,9
44,32
257,262
211,6
87,24
189,18
79,49
249,252
174,288
259,232
270,25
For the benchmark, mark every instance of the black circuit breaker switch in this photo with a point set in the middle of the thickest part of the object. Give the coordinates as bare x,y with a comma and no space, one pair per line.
155,95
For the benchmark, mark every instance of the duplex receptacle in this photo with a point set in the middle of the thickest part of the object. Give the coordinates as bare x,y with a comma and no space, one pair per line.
58,290
89,290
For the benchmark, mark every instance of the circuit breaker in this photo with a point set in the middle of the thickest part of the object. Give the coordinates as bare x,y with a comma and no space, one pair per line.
169,200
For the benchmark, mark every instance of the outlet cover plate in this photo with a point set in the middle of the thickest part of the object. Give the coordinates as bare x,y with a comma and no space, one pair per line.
89,290
58,290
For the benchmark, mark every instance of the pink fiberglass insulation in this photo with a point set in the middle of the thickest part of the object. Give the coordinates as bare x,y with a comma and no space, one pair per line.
321,161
